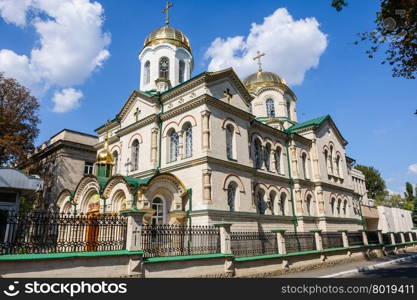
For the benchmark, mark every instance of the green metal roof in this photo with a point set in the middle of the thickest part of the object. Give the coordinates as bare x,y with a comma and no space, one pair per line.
102,181
314,122
137,181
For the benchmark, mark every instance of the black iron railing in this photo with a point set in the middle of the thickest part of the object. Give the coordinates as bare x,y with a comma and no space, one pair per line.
406,237
372,237
45,232
300,241
173,240
414,234
253,243
332,240
397,237
355,238
386,238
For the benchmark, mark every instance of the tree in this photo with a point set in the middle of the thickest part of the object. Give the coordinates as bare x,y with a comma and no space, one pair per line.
373,181
409,195
395,32
18,122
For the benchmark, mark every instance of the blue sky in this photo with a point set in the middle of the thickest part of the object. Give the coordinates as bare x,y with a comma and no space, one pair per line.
373,110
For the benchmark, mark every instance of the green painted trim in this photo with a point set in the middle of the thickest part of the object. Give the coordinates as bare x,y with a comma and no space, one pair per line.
259,257
13,257
222,223
315,230
185,257
278,230
132,211
342,230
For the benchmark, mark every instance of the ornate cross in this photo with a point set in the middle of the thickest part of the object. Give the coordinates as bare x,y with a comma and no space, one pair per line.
227,94
166,12
137,113
258,57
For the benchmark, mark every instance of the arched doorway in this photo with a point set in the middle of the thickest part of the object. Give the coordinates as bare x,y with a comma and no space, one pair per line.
92,230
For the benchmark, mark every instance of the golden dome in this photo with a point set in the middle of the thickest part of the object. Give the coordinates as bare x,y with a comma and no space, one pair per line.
168,35
105,156
262,79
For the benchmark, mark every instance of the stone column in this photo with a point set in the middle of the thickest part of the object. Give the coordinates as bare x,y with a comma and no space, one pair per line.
154,146
316,165
298,199
207,186
318,239
280,240
134,229
294,161
380,238
410,235
320,199
391,234
205,130
364,237
344,238
402,237
181,145
225,246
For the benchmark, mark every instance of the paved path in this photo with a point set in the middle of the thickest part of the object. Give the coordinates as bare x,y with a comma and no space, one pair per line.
387,266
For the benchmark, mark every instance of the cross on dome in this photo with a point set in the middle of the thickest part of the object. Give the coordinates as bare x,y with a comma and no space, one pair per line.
168,5
258,57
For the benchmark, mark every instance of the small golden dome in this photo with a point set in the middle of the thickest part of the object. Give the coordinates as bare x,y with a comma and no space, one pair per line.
262,79
168,35
105,156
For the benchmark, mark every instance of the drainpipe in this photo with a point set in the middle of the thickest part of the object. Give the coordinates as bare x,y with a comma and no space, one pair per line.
360,210
190,205
159,115
294,218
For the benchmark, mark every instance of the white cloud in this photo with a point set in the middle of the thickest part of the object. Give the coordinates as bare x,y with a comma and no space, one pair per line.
413,168
66,100
292,47
70,47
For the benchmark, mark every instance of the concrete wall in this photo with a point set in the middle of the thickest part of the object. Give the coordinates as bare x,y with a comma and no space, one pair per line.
392,219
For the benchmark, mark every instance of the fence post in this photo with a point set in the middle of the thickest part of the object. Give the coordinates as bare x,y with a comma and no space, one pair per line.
364,237
410,235
134,228
380,239
402,237
282,249
344,238
225,237
318,239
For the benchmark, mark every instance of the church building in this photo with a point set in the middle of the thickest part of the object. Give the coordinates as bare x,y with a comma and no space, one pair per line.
217,148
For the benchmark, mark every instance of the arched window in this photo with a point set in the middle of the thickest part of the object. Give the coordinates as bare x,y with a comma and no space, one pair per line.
147,72
158,216
260,203
173,145
331,160
164,67
304,165
332,204
326,159
282,202
339,206
135,155
231,195
270,108
338,166
267,156
277,157
308,204
345,208
181,72
188,140
272,196
289,109
116,162
230,132
258,154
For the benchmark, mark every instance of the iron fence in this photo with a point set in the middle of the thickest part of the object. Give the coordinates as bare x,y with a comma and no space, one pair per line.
407,237
173,240
414,234
355,238
397,237
332,240
253,243
372,237
45,232
386,238
300,241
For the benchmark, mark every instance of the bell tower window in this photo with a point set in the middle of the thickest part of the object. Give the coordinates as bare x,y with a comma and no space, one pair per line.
164,67
181,72
147,72
270,108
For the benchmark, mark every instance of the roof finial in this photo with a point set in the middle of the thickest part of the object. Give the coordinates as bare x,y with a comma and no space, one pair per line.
258,57
168,5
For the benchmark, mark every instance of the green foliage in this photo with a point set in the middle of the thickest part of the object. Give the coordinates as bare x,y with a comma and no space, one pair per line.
373,181
414,213
395,34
